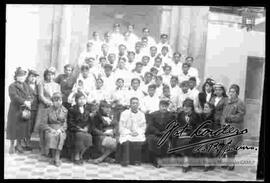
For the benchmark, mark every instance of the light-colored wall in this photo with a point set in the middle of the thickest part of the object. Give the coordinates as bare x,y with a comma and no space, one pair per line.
226,62
227,51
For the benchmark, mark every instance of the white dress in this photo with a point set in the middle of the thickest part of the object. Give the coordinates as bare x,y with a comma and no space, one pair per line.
132,122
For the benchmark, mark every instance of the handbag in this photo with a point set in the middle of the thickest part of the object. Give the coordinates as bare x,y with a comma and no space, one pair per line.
25,113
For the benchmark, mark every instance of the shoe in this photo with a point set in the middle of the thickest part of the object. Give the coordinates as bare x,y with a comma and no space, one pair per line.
124,164
231,168
52,162
58,163
156,164
11,150
27,148
81,161
224,167
206,169
186,169
19,149
77,162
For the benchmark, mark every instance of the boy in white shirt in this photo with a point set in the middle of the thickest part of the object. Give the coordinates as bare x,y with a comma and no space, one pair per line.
164,42
119,95
176,64
135,90
122,72
117,37
167,74
194,92
108,78
159,85
183,95
148,80
145,62
184,75
193,71
153,54
166,58
137,71
151,40
158,65
98,94
131,61
150,102
89,52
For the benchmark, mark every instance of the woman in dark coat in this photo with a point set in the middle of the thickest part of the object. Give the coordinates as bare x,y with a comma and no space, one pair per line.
20,97
31,82
79,128
156,126
190,117
233,115
219,101
207,93
208,115
104,132
54,125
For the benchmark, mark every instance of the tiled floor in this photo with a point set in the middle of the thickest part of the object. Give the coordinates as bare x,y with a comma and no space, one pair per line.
32,165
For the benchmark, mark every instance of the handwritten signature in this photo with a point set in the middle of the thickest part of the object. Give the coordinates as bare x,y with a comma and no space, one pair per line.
173,129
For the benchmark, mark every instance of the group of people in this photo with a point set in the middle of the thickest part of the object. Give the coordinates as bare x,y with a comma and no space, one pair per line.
116,103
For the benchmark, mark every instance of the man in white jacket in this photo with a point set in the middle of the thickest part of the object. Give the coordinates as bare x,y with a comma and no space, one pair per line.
132,126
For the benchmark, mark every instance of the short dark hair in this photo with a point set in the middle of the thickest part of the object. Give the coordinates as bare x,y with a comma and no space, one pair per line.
68,65
133,79
189,57
133,98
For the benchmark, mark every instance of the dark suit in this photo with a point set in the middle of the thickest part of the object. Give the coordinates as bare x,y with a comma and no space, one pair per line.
194,121
156,126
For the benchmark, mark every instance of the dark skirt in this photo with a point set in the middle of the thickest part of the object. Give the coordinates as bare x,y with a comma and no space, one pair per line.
82,141
153,147
130,152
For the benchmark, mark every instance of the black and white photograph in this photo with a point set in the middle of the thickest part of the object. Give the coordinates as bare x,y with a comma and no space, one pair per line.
133,92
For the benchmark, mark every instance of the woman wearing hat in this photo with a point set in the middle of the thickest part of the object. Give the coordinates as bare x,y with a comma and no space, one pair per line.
79,128
104,132
206,94
54,125
20,98
31,82
219,101
190,117
233,115
46,89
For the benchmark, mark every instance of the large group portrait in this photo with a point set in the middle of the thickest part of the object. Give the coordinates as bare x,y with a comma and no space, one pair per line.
133,92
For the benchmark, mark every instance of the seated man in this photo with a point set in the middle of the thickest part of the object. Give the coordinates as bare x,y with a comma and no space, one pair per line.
132,127
156,126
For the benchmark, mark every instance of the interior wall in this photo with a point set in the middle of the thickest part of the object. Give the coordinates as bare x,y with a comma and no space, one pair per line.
102,18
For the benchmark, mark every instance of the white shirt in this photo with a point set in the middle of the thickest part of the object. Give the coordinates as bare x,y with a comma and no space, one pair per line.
132,122
108,82
150,104
182,97
183,77
166,79
151,41
135,93
208,96
98,95
117,38
124,74
193,72
120,95
159,91
217,99
160,45
176,68
89,83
